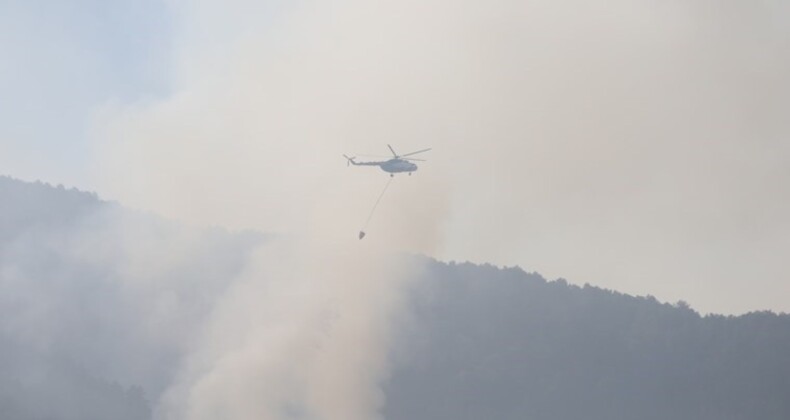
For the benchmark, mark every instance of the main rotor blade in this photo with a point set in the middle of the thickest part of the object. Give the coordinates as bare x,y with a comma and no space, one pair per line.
393,151
419,160
414,153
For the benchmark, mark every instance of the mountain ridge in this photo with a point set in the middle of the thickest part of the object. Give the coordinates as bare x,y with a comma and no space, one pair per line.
472,341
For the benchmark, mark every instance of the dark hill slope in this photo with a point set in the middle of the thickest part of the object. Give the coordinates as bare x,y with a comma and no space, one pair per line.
26,205
92,323
488,343
97,301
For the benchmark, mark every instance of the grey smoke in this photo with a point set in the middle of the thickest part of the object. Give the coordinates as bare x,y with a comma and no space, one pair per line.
208,323
635,145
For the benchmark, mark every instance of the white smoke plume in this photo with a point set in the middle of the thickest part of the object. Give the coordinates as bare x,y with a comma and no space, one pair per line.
634,146
254,140
301,334
615,145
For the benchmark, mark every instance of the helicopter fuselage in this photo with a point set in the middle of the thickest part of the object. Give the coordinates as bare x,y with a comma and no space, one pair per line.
398,165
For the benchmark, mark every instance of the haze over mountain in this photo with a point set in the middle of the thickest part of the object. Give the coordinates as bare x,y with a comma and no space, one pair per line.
111,313
637,145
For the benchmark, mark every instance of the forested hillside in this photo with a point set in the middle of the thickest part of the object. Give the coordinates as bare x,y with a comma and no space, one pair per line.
94,321
501,343
98,303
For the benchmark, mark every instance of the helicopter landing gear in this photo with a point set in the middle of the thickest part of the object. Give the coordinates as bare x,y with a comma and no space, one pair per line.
409,173
392,175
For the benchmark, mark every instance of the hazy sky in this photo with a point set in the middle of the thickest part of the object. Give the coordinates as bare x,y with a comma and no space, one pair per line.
640,146
61,60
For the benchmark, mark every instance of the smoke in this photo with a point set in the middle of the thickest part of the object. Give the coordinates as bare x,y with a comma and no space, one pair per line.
209,323
253,140
636,146
300,333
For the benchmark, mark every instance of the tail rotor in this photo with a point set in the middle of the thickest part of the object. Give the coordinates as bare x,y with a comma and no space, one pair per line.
350,160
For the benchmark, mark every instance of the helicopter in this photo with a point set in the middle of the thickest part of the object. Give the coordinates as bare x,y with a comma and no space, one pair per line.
396,164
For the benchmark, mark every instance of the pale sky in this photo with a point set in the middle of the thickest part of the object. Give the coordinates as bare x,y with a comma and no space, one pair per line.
637,146
61,60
